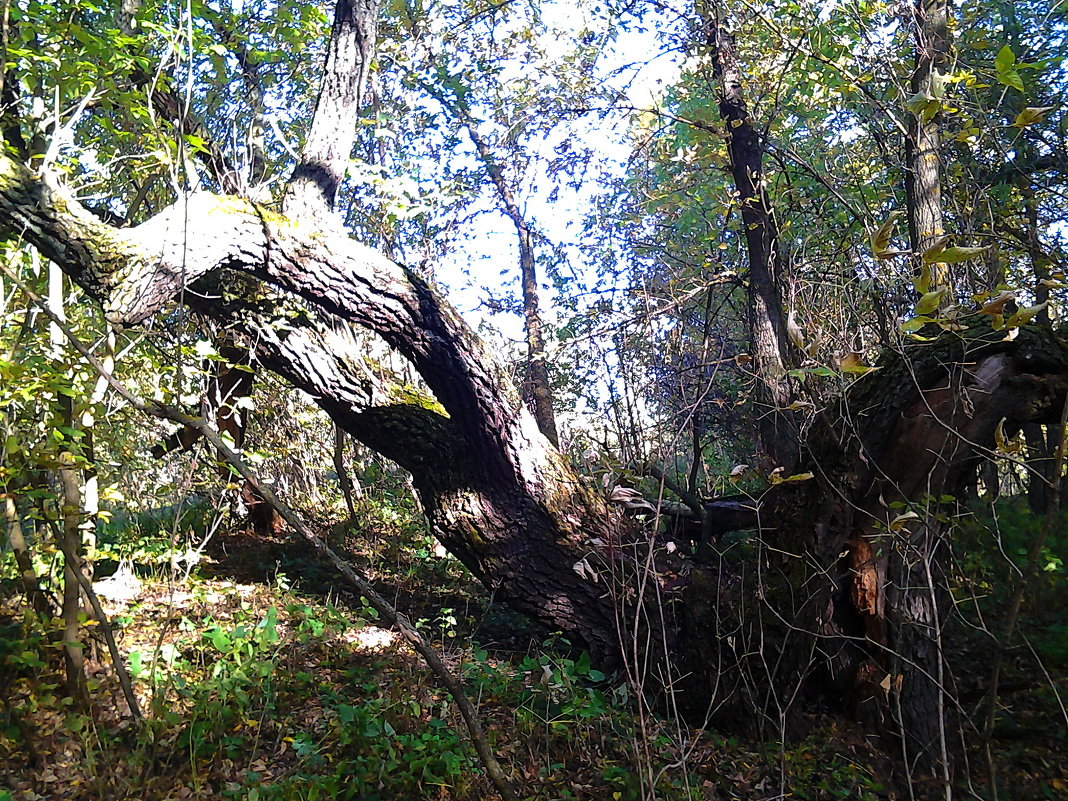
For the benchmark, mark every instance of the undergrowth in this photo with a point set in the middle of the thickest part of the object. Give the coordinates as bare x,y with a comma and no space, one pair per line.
260,679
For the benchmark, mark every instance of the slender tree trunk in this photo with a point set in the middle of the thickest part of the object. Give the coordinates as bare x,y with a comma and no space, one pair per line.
31,585
313,188
70,504
929,22
348,492
777,434
916,592
537,386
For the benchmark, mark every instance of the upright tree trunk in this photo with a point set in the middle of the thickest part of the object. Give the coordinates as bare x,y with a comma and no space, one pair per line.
536,383
68,503
929,22
777,434
916,592
31,585
313,188
69,528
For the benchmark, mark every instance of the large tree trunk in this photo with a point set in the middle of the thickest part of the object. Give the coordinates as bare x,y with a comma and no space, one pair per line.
498,495
845,597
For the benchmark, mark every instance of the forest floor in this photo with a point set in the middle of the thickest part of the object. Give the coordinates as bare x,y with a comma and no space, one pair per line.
256,685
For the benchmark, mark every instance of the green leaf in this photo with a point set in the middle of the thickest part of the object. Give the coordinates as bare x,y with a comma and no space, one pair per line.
1031,115
1007,69
915,324
1012,78
929,303
1005,60
923,106
135,663
1024,315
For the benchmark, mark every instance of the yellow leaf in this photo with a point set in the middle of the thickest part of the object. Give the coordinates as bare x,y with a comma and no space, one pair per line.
1031,115
1004,444
953,255
923,283
1024,316
899,522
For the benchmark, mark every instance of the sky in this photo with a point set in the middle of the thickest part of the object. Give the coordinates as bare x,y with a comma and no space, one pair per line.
632,65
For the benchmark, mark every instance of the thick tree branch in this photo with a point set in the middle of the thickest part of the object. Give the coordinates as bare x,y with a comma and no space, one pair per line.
141,270
325,157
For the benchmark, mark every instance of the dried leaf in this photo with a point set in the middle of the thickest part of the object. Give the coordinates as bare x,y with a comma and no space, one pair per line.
793,331
880,239
996,304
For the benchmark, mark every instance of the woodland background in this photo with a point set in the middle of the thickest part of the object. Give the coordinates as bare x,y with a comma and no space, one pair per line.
745,482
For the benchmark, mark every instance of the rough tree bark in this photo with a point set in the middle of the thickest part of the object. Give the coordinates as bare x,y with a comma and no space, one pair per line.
496,492
324,159
833,597
929,22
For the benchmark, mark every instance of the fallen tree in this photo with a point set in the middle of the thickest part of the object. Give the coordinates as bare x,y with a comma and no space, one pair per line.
848,594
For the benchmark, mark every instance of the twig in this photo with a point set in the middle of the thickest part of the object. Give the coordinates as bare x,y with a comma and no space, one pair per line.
101,618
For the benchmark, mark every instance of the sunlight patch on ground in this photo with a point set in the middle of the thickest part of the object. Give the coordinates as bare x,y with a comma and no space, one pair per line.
370,638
